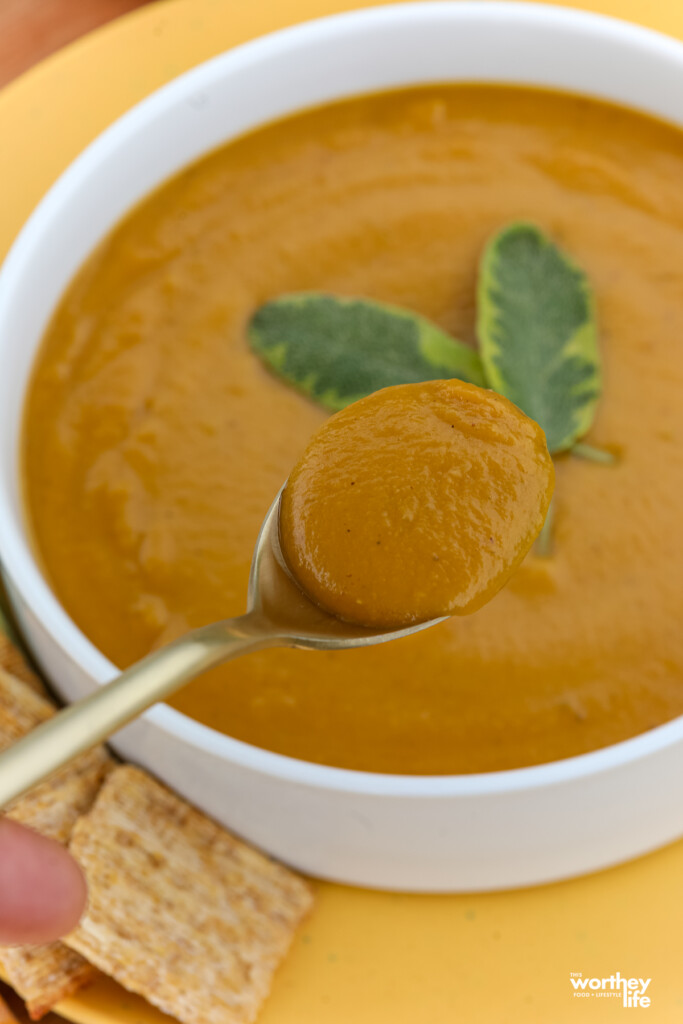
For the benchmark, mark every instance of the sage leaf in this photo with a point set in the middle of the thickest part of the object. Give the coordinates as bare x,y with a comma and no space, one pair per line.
543,548
337,350
593,454
538,334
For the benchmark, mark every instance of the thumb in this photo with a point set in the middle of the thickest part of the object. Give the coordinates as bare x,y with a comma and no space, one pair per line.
42,888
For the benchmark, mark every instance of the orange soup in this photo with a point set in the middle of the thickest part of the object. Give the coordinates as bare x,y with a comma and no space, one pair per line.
155,440
417,502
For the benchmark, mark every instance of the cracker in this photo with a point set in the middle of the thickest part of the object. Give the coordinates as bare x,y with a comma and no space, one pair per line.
180,911
21,709
42,975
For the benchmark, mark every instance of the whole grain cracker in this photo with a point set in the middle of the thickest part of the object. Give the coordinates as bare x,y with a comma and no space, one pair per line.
43,975
180,911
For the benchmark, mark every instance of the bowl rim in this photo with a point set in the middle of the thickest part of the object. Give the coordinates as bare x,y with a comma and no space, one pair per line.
26,578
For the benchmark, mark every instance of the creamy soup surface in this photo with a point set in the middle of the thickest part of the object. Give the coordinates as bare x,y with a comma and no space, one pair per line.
416,502
154,439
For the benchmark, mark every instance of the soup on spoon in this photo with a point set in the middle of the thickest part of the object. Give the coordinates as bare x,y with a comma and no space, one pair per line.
414,503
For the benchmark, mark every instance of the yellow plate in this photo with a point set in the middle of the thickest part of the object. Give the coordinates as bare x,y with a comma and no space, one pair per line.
363,958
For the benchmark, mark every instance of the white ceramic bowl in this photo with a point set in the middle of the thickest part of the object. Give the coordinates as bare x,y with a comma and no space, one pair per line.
489,831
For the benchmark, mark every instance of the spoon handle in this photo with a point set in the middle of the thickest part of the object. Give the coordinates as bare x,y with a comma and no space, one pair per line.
83,725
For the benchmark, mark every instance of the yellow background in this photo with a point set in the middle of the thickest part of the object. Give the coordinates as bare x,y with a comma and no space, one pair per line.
365,958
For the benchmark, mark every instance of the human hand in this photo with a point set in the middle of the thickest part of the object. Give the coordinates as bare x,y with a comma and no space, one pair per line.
42,888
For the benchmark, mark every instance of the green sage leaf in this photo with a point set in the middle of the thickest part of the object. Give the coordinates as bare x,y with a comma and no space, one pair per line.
337,350
538,333
543,548
592,454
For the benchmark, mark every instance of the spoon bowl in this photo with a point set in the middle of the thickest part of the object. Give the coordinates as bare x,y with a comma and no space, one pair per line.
279,614
281,608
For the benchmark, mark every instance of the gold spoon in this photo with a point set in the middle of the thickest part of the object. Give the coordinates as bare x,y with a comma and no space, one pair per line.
278,615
